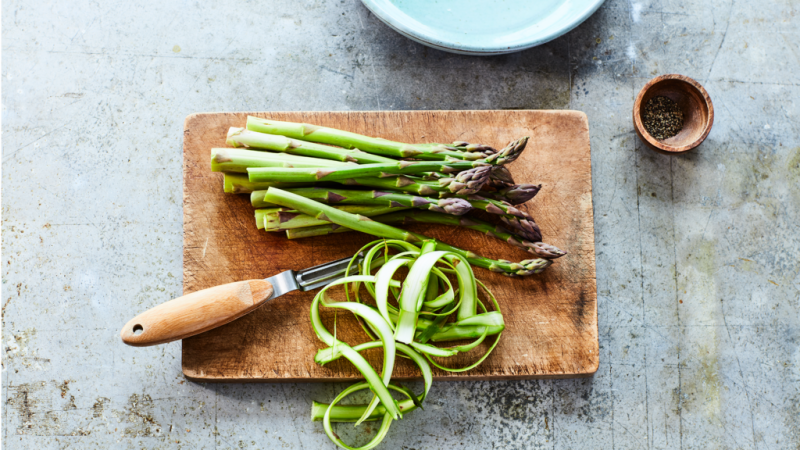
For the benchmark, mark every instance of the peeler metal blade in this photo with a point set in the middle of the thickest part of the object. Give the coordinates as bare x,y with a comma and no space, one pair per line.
310,278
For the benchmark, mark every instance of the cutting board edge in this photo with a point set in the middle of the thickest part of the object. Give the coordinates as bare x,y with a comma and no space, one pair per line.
594,356
193,116
207,379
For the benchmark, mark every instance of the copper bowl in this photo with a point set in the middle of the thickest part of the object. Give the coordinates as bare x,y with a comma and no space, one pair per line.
694,102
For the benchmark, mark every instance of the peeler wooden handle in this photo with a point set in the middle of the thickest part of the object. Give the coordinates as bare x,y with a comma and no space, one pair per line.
195,313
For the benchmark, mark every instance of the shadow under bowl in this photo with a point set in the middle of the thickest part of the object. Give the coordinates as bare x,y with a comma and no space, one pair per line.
694,102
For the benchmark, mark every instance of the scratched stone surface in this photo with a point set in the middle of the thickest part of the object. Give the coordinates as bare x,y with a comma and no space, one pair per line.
697,255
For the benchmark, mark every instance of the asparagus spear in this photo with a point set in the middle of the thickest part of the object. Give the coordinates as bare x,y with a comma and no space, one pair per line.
237,183
454,206
236,160
301,229
346,139
466,182
444,187
317,157
280,219
517,220
241,137
233,160
367,225
360,170
242,185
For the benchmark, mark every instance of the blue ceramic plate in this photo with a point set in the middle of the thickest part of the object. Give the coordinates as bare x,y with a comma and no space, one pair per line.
482,27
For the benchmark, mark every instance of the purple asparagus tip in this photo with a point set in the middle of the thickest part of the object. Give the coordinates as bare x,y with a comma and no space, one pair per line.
455,206
547,251
510,153
521,193
467,182
525,228
501,177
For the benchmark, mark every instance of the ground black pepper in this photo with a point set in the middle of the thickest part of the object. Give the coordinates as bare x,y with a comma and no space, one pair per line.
662,118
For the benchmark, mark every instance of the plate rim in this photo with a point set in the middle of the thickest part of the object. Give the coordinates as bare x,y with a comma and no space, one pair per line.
375,7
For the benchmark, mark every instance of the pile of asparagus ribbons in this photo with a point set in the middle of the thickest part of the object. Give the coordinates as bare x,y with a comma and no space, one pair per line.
306,180
425,300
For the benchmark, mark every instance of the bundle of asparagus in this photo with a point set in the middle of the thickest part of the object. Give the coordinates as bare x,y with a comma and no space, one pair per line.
308,180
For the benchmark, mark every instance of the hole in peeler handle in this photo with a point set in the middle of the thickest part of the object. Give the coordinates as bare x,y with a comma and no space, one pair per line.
138,329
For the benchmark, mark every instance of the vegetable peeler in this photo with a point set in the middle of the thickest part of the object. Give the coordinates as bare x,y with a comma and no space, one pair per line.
210,308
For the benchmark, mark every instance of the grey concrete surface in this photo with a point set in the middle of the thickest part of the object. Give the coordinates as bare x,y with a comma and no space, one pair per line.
697,255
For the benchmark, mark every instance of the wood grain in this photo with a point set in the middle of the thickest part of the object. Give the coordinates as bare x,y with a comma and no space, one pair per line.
551,319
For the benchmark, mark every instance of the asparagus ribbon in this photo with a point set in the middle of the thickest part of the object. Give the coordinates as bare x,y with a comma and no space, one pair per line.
401,329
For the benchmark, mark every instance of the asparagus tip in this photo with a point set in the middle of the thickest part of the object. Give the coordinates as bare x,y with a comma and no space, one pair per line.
547,251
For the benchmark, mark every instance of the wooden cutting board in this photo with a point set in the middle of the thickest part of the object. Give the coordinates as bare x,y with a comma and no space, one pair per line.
551,318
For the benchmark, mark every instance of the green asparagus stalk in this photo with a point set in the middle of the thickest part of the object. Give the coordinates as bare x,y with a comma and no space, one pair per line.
241,137
323,229
280,219
443,187
367,225
401,183
240,184
467,182
359,170
237,183
257,200
454,206
407,217
237,160
346,139
261,215
520,222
